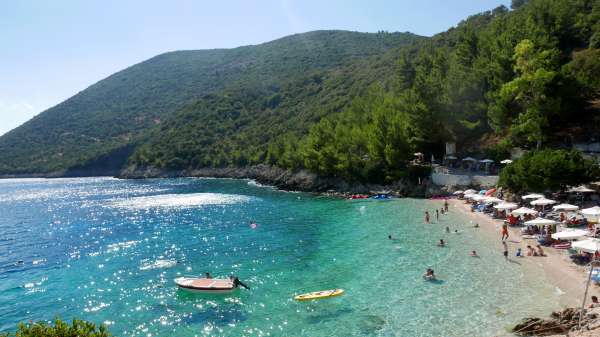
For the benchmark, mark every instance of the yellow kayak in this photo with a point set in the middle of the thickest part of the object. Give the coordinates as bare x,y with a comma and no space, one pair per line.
317,295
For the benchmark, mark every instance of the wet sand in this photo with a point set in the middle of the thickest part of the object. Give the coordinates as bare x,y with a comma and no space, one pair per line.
568,278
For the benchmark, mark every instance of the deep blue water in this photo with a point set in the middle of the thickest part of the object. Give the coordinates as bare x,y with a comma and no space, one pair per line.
107,251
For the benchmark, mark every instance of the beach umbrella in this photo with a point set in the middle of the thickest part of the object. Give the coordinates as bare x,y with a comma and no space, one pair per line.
477,197
523,211
581,189
592,211
506,161
458,192
469,159
506,205
532,196
417,154
588,246
565,207
574,234
492,200
540,222
470,192
486,161
543,202
450,157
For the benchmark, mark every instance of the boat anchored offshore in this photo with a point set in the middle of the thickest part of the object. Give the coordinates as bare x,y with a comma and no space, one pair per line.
317,295
209,285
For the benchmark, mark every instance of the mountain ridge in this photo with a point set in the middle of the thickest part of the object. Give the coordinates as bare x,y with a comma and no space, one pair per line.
138,97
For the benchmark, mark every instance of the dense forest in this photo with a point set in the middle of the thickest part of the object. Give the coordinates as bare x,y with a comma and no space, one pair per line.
113,116
354,106
522,77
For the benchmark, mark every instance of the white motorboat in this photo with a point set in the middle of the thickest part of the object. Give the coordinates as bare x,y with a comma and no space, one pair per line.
206,285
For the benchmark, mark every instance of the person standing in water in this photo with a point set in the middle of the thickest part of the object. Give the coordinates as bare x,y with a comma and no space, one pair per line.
505,248
446,205
426,217
437,215
504,231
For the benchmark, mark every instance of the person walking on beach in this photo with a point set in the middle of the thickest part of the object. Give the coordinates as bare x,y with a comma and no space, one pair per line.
446,205
426,217
505,247
447,229
504,231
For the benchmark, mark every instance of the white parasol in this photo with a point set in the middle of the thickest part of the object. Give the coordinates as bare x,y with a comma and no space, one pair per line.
523,211
540,222
543,202
592,211
532,196
574,234
506,205
565,207
588,246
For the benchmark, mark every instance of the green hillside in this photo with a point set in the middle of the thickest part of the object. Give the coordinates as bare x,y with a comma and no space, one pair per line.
525,77
111,116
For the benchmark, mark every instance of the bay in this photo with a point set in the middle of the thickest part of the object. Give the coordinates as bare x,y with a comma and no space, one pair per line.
107,250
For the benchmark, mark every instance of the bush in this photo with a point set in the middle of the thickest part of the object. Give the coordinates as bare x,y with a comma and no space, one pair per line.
548,170
78,328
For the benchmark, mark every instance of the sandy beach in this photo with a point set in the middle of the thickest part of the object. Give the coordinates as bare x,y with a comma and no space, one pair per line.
568,278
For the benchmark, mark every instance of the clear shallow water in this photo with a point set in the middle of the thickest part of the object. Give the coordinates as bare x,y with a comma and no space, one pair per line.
107,250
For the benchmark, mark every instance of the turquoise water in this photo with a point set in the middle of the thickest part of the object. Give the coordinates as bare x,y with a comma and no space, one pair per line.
107,250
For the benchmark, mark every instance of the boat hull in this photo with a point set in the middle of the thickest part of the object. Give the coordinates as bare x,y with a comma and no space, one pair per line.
205,286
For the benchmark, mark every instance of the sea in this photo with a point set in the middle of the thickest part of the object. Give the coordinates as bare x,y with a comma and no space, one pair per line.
107,251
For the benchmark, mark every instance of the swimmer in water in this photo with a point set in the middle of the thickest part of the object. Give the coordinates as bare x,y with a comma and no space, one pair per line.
474,254
429,274
441,243
476,225
447,229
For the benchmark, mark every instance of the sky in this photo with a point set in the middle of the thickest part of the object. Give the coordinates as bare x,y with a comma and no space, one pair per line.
50,50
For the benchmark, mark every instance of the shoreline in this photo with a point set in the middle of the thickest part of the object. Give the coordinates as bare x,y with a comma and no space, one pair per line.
284,179
568,278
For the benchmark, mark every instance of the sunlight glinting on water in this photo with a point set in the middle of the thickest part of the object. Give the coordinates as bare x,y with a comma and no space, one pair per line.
108,252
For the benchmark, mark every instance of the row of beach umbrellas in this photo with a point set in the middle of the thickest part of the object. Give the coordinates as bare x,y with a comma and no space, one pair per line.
586,244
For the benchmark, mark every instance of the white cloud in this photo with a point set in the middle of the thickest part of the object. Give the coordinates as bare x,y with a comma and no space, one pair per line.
14,113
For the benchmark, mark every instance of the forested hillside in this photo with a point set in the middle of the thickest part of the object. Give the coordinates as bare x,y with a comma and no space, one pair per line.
526,76
340,104
111,117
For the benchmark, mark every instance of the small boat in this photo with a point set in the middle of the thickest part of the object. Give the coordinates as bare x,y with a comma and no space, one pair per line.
317,295
205,285
381,197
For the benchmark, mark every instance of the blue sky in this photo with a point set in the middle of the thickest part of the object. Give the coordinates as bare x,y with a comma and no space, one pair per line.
50,50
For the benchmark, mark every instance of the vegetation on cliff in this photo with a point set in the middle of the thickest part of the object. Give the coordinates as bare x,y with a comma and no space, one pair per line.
521,77
340,104
119,111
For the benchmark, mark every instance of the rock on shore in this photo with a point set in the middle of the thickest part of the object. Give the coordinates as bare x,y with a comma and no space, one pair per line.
561,323
297,180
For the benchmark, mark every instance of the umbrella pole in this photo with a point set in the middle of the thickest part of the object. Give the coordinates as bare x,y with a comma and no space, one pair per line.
587,287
